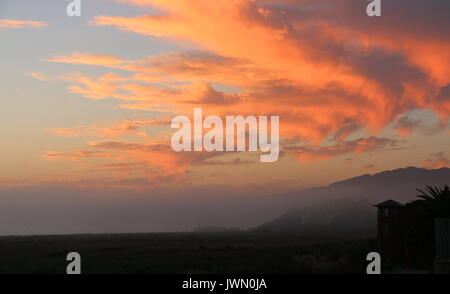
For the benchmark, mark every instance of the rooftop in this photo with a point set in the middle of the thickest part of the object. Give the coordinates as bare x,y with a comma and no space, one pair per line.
389,203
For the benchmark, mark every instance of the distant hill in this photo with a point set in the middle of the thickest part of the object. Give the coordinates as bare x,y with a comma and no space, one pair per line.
346,207
399,184
404,178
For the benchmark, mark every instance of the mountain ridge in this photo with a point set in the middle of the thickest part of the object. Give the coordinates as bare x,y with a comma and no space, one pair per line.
346,207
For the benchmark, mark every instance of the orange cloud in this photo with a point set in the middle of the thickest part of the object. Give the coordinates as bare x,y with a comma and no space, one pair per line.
20,24
87,59
114,130
351,74
436,160
75,156
156,162
39,76
326,70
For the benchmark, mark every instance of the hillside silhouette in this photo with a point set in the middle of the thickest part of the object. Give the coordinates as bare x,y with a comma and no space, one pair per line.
346,207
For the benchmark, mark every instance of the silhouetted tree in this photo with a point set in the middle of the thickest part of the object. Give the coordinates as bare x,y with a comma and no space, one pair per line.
433,202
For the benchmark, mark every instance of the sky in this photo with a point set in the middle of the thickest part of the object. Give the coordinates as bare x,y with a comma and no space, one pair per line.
87,101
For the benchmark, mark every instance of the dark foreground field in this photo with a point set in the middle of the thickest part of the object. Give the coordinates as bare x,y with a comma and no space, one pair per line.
184,253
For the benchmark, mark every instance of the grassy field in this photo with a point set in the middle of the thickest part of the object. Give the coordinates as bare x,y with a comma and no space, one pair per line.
184,253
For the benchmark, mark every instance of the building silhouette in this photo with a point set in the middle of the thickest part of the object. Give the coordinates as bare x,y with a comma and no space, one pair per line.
402,243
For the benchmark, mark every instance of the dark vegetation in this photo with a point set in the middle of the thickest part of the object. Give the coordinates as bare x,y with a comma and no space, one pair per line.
185,253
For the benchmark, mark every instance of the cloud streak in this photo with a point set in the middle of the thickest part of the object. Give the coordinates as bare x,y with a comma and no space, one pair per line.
21,24
371,144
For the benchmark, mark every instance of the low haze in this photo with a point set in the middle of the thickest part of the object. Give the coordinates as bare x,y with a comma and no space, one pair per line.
87,103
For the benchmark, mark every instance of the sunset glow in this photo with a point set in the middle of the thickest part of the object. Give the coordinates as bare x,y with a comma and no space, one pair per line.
88,101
